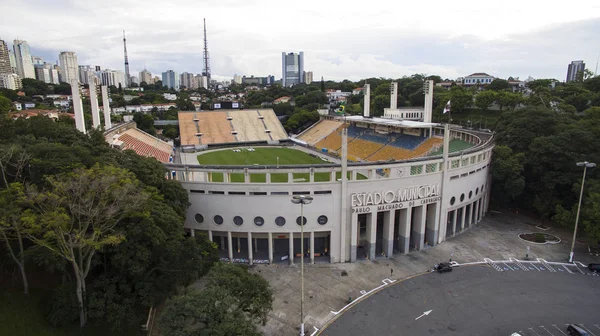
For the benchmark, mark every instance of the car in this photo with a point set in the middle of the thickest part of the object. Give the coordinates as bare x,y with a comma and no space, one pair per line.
576,330
594,267
443,267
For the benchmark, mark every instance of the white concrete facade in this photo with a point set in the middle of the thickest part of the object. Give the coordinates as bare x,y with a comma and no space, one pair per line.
382,209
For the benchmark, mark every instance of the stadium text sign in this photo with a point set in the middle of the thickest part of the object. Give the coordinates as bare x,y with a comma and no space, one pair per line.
395,199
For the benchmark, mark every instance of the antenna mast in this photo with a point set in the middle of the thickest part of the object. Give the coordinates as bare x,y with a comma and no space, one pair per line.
206,71
127,78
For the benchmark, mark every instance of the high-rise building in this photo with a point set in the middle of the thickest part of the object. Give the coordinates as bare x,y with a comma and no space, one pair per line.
113,77
170,79
308,77
10,81
23,61
68,64
55,74
186,80
85,71
292,68
134,80
5,67
13,60
574,69
146,76
36,60
42,73
237,79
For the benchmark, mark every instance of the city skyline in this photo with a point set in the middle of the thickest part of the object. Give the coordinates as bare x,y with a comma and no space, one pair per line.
373,43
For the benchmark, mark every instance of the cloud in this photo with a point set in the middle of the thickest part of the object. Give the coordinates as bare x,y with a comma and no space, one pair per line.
353,41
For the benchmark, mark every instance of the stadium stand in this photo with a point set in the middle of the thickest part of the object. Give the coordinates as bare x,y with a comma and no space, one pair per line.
188,128
333,141
456,145
144,144
319,131
215,127
248,126
273,124
390,153
361,149
406,141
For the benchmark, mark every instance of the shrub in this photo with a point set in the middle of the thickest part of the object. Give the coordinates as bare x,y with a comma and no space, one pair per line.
539,238
61,307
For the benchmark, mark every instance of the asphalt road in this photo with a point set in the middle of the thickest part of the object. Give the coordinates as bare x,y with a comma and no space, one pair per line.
477,300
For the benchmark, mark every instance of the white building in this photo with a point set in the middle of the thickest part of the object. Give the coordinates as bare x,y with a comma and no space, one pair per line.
170,96
69,67
112,77
42,73
23,61
478,78
146,76
85,71
308,77
10,81
5,66
237,79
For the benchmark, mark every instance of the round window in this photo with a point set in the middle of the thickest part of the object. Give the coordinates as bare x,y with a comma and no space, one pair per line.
259,221
470,193
218,220
322,220
462,197
199,218
452,200
476,191
237,220
280,221
301,219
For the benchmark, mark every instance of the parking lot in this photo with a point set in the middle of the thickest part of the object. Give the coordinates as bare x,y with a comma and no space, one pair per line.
499,297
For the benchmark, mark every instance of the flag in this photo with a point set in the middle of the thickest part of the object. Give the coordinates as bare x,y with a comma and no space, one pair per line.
447,107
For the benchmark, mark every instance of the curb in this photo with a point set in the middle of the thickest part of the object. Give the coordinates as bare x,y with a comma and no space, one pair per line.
545,243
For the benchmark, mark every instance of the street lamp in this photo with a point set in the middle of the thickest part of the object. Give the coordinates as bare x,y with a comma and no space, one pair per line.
302,200
585,166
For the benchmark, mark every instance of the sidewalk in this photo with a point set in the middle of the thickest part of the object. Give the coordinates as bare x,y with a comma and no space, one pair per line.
326,289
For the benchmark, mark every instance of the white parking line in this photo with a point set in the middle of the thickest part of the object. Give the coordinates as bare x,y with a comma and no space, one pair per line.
507,265
568,270
557,328
548,331
596,326
534,331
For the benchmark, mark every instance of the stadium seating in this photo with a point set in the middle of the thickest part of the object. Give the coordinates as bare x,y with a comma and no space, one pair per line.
406,141
369,136
426,146
391,153
145,145
248,126
456,145
361,149
187,129
354,131
319,131
215,127
273,124
333,141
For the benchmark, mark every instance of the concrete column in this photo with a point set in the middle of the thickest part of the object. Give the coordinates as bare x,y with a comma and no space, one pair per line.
311,176
291,250
471,214
312,247
230,246
462,220
210,236
476,211
77,106
353,175
333,179
388,233
106,107
372,233
418,232
267,177
250,256
353,236
270,242
94,103
481,207
454,222
432,225
404,229
226,177
222,243
246,177
239,245
192,232
290,177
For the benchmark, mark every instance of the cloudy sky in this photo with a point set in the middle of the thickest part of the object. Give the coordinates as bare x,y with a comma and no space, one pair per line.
340,39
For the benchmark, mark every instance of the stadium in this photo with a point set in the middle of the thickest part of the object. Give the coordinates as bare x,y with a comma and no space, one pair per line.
380,186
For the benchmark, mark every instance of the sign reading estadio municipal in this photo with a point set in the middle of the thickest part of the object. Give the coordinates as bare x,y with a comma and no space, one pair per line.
389,200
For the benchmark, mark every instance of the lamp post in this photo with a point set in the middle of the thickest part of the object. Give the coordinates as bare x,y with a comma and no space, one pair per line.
302,200
585,166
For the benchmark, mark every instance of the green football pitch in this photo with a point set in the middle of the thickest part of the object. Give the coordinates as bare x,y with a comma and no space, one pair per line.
263,156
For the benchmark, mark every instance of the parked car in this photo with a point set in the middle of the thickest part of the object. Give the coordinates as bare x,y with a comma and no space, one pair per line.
576,330
444,267
594,267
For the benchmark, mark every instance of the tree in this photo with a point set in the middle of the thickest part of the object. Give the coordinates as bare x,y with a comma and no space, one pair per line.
12,202
461,98
507,168
508,99
76,217
484,99
5,105
498,85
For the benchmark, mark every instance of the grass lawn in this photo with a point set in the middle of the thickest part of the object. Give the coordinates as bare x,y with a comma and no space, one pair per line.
265,156
22,315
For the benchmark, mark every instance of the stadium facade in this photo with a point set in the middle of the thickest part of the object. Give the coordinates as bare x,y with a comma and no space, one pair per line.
365,209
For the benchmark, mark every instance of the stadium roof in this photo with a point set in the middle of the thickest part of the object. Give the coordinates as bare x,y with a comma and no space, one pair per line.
391,122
